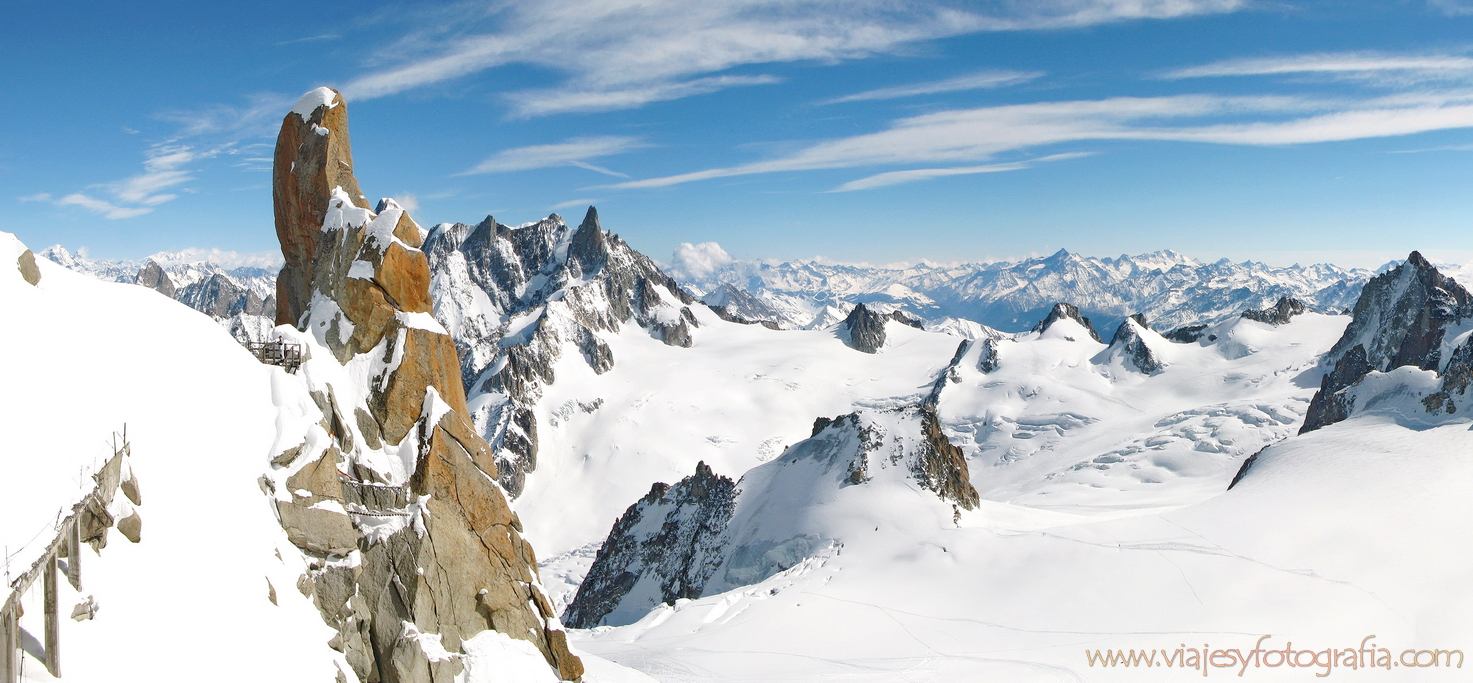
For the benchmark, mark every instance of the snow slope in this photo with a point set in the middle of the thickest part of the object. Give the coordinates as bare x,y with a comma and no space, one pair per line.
1063,421
1353,531
87,357
736,398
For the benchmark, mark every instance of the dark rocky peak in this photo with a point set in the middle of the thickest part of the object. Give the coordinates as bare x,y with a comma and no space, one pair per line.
733,304
589,250
910,436
1186,334
1126,329
1061,311
706,535
154,277
551,290
1278,314
668,543
1131,343
907,319
1401,319
866,329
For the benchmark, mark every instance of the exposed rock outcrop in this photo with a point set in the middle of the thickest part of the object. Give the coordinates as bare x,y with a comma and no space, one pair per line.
26,263
1061,311
665,547
413,548
705,536
1130,342
1280,313
1186,334
1403,318
513,297
154,277
865,329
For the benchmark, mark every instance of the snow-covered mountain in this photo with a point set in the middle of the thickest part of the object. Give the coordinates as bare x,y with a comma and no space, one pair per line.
882,487
242,299
1169,288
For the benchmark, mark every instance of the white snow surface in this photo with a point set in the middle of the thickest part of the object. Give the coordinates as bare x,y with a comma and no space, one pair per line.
738,397
87,357
1351,531
320,97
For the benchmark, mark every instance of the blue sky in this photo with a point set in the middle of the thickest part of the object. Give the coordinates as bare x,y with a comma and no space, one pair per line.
877,131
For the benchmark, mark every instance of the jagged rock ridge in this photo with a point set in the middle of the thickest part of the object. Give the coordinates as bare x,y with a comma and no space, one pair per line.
697,538
1412,315
413,548
664,547
1280,313
1062,311
1130,341
513,296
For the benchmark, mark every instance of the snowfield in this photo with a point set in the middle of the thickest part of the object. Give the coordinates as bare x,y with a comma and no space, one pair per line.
1359,529
193,599
1105,522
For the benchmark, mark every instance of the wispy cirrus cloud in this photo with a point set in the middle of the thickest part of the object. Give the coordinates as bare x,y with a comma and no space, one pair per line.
1375,68
571,152
976,81
969,137
618,54
916,174
530,103
1454,8
165,166
572,203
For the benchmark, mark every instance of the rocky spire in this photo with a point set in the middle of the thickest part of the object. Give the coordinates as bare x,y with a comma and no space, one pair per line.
397,477
866,329
1130,342
1401,319
1061,311
313,158
1278,314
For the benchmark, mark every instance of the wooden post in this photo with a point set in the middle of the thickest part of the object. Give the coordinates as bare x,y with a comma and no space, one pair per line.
74,555
53,624
10,641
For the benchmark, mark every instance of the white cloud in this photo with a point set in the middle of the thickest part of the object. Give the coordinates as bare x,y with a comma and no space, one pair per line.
164,166
1452,7
224,259
571,152
407,201
530,103
107,209
977,135
1376,68
571,203
698,261
625,53
983,79
912,175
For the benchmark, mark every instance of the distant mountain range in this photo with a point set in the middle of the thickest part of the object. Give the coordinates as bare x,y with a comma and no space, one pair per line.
1170,289
241,299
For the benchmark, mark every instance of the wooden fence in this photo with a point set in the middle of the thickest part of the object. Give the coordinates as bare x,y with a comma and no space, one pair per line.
88,523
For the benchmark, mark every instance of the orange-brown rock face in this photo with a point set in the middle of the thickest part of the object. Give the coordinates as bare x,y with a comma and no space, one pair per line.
405,481
312,157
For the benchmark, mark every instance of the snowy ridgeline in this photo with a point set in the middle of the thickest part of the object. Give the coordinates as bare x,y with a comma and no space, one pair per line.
876,500
1171,289
241,298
